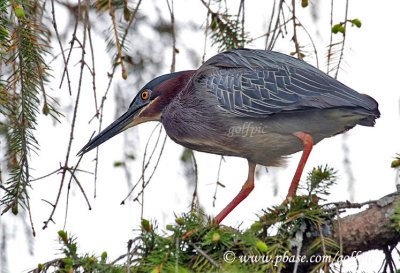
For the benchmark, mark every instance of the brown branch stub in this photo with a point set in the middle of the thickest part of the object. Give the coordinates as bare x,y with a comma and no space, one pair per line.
369,229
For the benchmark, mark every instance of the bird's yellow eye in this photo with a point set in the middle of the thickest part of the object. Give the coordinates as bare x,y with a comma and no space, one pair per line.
145,95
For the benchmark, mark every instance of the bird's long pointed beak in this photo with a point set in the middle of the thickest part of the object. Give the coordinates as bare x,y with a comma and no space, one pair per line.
121,124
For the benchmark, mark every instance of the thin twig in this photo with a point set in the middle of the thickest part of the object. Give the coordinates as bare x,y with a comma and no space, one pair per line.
4,188
269,25
154,169
47,175
340,237
207,6
129,256
196,180
72,172
267,34
72,130
206,36
147,163
202,253
343,41
48,202
128,27
131,253
218,184
103,99
278,27
312,43
66,62
93,68
350,205
61,168
295,41
117,43
173,34
321,234
242,12
328,69
61,47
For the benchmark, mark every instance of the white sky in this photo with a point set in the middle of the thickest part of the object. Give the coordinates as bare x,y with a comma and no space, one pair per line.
372,67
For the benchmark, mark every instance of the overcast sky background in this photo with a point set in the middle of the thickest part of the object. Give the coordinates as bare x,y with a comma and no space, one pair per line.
371,66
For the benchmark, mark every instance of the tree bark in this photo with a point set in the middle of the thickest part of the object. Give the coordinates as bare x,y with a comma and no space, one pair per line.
370,229
367,230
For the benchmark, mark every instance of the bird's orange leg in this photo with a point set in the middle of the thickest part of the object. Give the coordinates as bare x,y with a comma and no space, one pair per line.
244,192
307,147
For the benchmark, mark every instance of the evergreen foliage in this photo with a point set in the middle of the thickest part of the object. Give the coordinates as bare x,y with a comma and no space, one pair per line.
195,244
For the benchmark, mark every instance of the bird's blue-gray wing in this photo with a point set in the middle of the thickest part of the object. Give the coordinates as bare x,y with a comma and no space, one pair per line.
256,83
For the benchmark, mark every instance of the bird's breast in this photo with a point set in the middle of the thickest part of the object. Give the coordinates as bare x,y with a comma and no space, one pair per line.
208,129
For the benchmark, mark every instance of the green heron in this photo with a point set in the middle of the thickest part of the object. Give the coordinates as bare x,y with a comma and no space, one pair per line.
256,104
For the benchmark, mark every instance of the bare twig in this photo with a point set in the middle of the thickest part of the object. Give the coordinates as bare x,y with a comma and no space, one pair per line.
129,256
147,163
61,47
206,36
202,253
93,67
61,168
100,110
269,25
271,40
72,130
328,69
321,234
173,34
111,75
295,41
131,253
73,177
267,34
242,12
218,184
153,171
207,5
343,41
196,180
74,38
312,42
117,43
339,231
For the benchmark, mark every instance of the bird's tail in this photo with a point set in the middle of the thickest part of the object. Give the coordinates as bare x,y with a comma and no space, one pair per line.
370,110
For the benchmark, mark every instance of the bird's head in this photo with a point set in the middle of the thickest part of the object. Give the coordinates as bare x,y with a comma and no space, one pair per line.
146,106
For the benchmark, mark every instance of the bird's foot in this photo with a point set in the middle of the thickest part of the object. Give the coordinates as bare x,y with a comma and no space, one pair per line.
212,224
189,233
287,201
300,201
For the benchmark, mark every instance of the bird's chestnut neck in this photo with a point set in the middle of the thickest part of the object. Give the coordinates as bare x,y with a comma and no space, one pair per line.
169,88
166,91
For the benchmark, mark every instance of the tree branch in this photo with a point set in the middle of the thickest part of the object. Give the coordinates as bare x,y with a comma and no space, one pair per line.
371,229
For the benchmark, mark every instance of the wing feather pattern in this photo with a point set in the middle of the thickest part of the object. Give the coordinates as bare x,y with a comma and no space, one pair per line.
256,83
